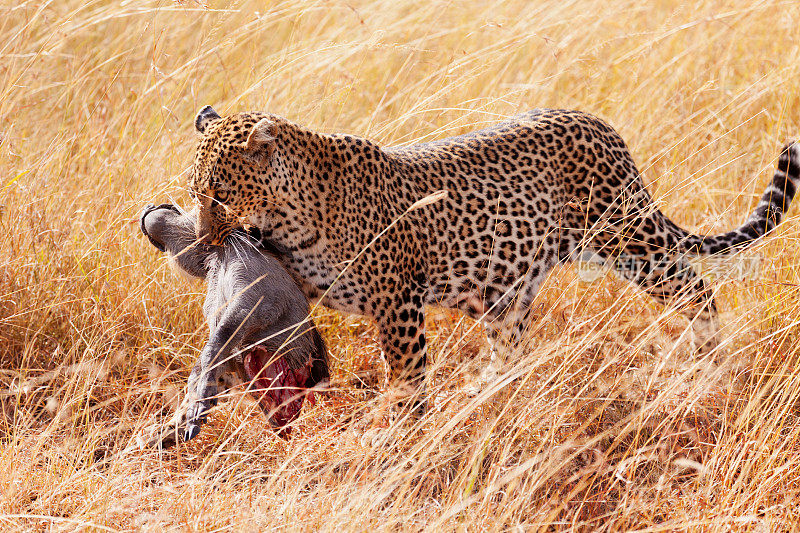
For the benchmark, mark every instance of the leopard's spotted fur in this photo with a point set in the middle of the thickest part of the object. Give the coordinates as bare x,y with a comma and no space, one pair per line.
522,196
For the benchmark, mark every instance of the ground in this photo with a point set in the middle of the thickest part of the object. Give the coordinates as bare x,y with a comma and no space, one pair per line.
606,420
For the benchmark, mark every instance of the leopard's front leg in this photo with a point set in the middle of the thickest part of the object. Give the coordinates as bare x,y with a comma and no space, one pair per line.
401,327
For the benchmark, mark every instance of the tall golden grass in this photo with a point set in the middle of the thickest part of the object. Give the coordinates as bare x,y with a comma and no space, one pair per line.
603,422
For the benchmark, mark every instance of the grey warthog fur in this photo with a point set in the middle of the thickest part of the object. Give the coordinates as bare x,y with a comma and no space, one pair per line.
259,321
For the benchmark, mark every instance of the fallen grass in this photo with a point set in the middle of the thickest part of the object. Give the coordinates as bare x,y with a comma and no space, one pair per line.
603,422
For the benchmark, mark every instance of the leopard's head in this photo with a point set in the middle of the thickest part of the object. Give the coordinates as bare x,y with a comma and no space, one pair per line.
232,175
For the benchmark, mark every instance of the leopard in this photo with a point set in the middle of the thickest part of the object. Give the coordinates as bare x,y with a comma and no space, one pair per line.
509,203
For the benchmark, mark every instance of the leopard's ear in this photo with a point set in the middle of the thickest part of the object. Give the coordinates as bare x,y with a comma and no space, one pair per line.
261,140
205,117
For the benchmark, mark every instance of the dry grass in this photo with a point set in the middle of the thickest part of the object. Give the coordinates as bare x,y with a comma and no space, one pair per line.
609,424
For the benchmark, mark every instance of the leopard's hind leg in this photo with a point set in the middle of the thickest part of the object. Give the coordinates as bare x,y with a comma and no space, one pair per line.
650,257
672,281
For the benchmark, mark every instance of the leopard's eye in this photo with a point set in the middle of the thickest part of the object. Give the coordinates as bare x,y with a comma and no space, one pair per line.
220,195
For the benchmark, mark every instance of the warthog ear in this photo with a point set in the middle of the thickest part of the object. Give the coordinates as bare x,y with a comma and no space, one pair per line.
261,141
204,117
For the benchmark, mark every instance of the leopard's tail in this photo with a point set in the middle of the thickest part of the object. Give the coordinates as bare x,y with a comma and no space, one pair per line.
766,216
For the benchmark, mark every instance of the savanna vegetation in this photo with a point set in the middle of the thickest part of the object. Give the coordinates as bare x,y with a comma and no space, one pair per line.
607,420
